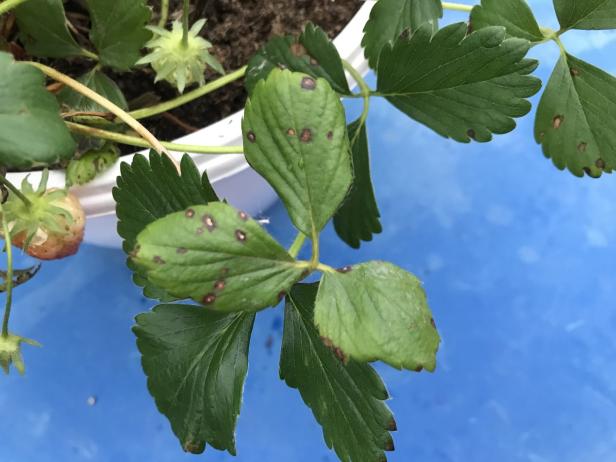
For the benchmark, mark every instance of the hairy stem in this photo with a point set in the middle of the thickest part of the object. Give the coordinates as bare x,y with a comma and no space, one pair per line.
314,259
297,244
15,190
185,15
104,102
135,141
457,7
188,97
8,5
9,274
365,93
164,13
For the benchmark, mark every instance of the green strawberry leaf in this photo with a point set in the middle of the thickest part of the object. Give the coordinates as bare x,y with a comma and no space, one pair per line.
377,312
462,87
586,14
295,136
391,18
218,257
95,80
358,218
42,28
149,190
576,116
91,164
31,130
313,54
515,15
346,399
118,31
196,363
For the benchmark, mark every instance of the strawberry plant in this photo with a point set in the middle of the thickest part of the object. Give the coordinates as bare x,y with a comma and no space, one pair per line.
211,267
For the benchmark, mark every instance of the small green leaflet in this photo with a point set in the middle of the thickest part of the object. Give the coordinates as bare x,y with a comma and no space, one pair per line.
358,218
42,27
586,14
95,80
31,130
390,18
149,190
217,256
313,54
91,164
347,400
295,136
118,31
576,118
515,15
462,87
377,312
196,362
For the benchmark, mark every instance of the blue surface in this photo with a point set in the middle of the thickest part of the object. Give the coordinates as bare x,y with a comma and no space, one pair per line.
518,260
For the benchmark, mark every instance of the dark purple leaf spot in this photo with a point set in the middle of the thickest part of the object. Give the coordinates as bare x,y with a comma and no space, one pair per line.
308,83
189,213
219,285
432,322
345,269
243,216
240,235
582,146
389,445
330,135
557,121
392,426
471,133
251,136
418,369
182,250
306,135
209,222
209,299
600,163
158,260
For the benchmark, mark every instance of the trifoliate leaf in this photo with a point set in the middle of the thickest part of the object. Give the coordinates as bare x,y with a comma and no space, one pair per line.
461,87
42,27
313,54
90,165
515,15
95,80
31,130
377,312
217,256
391,18
346,399
295,136
118,31
196,362
358,218
586,14
576,118
149,190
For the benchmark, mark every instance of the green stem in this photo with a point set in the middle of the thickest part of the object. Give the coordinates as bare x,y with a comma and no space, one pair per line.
8,5
457,7
188,97
9,274
325,268
139,142
15,190
164,13
104,102
297,244
89,54
365,93
185,15
314,259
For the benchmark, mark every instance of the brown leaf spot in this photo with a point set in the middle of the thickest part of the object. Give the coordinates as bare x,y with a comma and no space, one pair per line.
193,447
574,72
281,295
336,350
345,269
392,426
582,146
219,285
557,121
389,445
298,49
308,83
243,216
199,231
282,66
240,235
306,135
158,260
541,135
600,163
432,322
313,61
418,369
471,133
291,132
209,299
588,171
251,136
330,135
189,213
209,222
181,250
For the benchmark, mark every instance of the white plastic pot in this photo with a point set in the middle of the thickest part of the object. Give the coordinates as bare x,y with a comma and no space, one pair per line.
230,175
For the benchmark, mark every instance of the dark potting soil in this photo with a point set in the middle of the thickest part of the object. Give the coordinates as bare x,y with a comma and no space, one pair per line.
237,29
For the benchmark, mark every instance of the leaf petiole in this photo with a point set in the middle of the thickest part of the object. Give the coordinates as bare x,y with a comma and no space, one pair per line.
9,274
164,13
297,244
457,7
365,92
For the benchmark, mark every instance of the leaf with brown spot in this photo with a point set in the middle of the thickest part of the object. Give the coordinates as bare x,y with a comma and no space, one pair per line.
378,312
576,118
347,399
